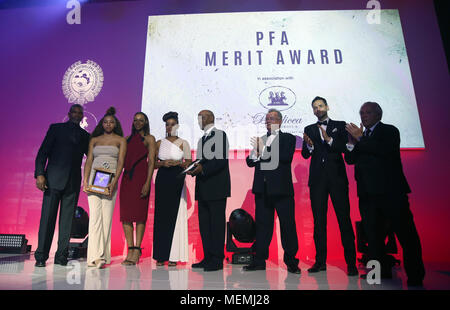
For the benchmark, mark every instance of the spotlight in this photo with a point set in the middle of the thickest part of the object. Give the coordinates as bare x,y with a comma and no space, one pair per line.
242,226
80,224
80,229
14,244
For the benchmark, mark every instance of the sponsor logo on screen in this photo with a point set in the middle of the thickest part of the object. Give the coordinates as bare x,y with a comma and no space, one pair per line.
277,97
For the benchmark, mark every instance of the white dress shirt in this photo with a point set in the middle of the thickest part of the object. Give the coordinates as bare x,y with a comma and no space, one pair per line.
207,132
311,148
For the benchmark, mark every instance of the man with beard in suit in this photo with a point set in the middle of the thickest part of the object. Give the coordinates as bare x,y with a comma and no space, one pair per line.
212,188
383,191
325,142
58,175
273,189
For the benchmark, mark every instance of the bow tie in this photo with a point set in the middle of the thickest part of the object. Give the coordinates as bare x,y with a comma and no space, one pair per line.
325,123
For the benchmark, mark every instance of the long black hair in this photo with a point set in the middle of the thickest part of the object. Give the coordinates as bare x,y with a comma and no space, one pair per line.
146,127
98,131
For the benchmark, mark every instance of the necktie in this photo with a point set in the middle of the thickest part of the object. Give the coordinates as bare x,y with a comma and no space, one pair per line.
368,132
325,123
75,133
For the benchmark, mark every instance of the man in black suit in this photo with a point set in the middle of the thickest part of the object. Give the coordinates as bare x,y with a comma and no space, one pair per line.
58,175
325,142
273,189
383,191
212,187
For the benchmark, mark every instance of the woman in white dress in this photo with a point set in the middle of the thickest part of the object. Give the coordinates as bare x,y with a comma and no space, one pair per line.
107,149
170,231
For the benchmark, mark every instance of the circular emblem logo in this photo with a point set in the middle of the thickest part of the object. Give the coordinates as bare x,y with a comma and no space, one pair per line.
88,122
277,97
82,82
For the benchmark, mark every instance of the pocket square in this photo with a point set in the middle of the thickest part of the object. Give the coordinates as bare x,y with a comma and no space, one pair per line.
334,130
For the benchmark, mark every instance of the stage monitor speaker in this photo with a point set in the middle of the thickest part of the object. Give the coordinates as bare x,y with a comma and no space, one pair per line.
242,258
242,226
78,250
13,244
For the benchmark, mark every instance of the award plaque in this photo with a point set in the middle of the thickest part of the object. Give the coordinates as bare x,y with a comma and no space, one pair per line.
102,178
191,166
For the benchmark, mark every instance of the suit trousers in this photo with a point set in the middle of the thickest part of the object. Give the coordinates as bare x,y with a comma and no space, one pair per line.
393,208
67,200
265,206
100,221
211,218
319,204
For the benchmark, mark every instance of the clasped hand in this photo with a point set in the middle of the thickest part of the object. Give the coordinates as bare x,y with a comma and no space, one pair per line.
171,163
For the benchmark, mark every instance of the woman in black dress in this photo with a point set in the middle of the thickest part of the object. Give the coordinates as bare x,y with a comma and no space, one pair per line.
170,222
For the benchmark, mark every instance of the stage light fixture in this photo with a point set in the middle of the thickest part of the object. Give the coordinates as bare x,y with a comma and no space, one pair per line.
80,229
242,226
14,244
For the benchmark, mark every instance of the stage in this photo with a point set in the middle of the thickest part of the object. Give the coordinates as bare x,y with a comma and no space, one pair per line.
237,59
17,272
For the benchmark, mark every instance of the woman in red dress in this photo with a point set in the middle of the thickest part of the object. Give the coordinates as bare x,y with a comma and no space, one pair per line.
135,186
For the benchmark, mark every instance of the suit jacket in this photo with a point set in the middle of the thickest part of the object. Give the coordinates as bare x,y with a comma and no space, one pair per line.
326,160
61,154
378,166
214,181
278,180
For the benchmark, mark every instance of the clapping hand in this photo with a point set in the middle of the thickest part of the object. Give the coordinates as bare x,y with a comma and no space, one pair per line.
354,131
257,144
308,140
325,136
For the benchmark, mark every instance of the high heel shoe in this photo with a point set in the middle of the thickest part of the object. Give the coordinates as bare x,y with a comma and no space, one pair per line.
139,256
100,263
172,264
128,262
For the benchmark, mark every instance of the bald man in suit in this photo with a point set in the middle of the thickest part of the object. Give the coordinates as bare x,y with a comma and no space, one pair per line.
383,191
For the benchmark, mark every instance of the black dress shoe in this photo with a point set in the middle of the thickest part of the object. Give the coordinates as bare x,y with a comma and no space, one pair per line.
293,269
317,267
352,271
253,267
61,261
201,264
40,263
213,267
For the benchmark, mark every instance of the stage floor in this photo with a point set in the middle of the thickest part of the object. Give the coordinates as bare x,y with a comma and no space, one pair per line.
17,272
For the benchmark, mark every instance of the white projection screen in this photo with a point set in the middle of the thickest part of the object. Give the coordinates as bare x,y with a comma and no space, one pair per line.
239,65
